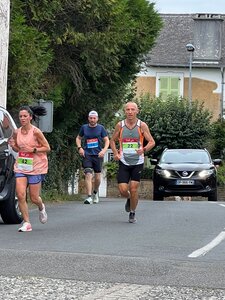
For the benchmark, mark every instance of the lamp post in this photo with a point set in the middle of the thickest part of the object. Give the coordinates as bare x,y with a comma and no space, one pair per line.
190,48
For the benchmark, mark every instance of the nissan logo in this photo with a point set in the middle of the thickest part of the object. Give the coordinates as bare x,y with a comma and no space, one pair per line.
184,173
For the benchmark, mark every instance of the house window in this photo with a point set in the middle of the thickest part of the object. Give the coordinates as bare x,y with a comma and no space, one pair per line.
169,84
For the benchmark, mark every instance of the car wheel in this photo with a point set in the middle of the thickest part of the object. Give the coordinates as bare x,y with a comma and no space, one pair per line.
9,208
213,196
157,196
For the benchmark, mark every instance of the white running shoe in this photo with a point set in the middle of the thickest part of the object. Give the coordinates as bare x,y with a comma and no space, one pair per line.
132,218
95,198
26,227
88,201
43,217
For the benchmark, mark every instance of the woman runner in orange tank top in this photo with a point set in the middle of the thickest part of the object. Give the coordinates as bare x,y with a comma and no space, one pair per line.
31,164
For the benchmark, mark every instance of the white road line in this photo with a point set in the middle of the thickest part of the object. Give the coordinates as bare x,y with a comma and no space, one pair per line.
202,251
222,205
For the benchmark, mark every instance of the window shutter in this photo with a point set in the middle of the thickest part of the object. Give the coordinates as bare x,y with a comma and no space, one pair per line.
174,86
164,86
169,86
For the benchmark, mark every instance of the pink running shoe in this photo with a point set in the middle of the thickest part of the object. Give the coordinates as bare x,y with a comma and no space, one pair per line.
26,227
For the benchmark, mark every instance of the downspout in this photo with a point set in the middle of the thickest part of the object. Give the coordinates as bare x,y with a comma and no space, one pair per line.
222,92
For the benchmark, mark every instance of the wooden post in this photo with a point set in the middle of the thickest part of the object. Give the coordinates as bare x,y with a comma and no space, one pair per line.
4,43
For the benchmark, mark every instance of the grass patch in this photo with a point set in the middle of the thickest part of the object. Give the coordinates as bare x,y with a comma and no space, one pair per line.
54,196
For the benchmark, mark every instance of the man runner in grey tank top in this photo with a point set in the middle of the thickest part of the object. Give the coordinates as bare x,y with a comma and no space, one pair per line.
130,133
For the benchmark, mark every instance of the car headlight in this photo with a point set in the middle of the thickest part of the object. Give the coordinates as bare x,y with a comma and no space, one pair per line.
205,173
164,173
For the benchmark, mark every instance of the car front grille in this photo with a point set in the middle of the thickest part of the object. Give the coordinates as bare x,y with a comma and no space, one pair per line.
184,174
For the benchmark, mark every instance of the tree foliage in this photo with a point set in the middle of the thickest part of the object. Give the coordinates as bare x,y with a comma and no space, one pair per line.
218,139
92,48
81,54
174,123
29,58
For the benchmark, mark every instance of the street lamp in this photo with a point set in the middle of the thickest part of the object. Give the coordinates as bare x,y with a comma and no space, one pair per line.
190,48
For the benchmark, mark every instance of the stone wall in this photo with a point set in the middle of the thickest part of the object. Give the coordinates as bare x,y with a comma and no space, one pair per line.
145,191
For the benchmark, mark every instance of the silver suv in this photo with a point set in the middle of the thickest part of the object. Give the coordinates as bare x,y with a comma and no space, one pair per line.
9,209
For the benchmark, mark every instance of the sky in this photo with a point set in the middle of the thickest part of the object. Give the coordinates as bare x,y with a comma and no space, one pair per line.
190,6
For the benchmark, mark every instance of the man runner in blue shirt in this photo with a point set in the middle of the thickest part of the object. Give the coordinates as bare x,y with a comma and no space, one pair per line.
93,136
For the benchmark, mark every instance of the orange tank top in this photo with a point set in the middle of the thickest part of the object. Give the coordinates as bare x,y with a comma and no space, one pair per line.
26,162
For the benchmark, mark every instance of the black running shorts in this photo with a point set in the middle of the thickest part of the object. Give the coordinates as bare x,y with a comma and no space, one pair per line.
127,173
93,162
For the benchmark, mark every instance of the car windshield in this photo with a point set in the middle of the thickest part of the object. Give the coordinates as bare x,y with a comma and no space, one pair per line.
177,157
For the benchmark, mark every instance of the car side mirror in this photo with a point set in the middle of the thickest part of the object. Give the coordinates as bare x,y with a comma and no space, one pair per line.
153,161
217,162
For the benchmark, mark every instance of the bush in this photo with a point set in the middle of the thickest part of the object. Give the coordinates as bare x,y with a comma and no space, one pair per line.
221,175
218,139
174,123
111,169
146,173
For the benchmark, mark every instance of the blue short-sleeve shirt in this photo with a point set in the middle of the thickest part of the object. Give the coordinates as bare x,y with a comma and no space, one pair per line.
93,138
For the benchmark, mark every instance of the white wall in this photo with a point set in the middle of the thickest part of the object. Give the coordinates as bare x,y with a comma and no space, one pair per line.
205,74
103,186
4,42
210,74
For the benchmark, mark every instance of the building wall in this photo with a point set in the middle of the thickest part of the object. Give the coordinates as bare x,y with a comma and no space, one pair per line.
146,85
206,86
203,90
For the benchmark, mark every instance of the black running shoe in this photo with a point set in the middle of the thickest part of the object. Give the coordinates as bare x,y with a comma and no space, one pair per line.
127,205
132,218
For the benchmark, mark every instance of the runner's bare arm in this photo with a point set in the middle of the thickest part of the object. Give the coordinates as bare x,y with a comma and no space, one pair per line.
106,144
148,137
43,143
12,141
114,138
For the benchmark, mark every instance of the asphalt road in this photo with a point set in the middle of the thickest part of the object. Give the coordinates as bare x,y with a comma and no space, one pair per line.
174,251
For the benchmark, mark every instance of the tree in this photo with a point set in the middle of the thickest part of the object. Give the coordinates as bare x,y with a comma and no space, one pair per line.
95,49
29,58
218,139
174,123
81,54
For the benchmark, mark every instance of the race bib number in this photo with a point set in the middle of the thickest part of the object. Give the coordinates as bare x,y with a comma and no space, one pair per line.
92,143
130,145
25,161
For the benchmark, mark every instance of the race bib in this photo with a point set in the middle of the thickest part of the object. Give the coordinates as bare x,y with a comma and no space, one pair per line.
130,145
92,143
25,161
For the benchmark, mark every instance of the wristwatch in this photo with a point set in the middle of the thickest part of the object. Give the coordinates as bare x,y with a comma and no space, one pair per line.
35,150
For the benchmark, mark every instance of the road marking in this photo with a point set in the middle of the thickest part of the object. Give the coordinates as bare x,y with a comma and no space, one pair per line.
202,251
222,205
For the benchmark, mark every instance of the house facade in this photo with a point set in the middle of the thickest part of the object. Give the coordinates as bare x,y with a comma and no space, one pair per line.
170,69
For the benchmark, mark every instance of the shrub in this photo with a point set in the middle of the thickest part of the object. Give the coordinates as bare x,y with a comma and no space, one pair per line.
218,139
174,123
221,175
146,173
112,169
